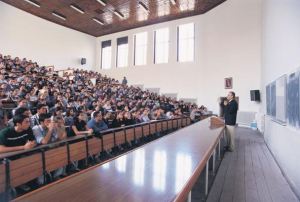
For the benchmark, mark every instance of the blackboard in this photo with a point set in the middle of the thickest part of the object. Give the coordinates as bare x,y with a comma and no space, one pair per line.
292,100
273,99
268,101
281,99
276,99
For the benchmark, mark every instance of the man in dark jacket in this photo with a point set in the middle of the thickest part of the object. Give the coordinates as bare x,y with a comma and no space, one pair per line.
230,112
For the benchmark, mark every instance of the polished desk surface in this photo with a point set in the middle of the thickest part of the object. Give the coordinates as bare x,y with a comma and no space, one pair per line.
158,171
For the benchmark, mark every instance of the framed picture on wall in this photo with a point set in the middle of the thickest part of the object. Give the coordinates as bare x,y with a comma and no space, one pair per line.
228,83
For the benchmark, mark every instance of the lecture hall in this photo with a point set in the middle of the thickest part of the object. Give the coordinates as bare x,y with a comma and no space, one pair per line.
150,100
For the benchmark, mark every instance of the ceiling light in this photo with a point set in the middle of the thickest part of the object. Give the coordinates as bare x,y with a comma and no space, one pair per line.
59,15
103,3
34,3
76,8
173,2
98,21
144,7
120,15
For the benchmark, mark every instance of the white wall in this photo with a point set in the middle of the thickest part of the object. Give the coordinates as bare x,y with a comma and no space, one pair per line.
228,44
25,35
281,48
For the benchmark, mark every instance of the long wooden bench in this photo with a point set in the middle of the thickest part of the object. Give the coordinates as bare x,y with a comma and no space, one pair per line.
120,137
164,126
153,127
130,136
27,165
167,172
25,169
159,127
108,141
56,158
138,131
2,177
94,146
146,130
78,151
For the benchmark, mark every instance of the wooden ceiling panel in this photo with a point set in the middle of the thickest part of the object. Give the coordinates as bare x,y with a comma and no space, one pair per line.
131,13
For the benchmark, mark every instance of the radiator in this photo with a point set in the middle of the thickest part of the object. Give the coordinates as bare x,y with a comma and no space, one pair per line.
245,118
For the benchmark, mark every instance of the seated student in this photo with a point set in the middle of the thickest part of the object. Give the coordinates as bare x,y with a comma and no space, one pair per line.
128,119
145,116
69,121
60,127
69,117
203,110
19,137
109,118
21,110
41,109
170,115
45,133
118,121
21,103
79,126
97,123
195,114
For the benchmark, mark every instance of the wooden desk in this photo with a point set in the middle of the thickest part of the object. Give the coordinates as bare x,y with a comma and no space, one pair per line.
163,170
40,147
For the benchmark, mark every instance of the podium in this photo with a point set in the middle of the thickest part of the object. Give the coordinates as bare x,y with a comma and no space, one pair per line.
216,122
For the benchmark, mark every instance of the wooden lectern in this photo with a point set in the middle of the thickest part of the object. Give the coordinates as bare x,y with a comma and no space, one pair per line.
216,122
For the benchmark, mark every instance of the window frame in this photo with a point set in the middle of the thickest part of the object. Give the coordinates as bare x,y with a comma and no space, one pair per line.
178,42
102,48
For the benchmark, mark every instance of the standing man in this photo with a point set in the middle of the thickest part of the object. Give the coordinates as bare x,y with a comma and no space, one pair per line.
124,82
230,111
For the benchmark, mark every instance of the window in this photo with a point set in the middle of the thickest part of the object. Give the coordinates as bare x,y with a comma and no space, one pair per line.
106,54
140,48
122,52
186,42
161,46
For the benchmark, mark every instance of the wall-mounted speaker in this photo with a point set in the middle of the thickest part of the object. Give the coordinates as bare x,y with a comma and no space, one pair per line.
83,61
255,95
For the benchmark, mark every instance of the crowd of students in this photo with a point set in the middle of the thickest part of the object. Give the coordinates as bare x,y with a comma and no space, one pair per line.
39,107
51,107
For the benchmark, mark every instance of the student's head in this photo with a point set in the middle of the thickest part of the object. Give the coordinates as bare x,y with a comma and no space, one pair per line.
127,114
81,116
45,119
22,103
41,109
58,111
70,112
23,110
60,121
97,116
21,121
